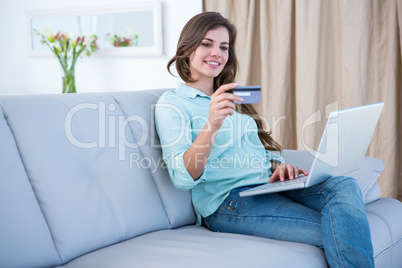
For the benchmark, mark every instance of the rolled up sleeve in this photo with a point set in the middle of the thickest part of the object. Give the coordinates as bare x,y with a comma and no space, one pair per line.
174,130
179,174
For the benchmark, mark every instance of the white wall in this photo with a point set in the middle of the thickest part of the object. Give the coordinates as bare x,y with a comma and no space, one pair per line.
23,74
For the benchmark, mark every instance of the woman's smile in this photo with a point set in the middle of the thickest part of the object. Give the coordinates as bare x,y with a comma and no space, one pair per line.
209,59
213,64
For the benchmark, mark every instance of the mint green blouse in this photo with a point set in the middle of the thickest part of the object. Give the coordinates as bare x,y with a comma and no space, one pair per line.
237,158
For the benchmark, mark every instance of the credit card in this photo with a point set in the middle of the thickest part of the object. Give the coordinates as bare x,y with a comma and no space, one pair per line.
250,94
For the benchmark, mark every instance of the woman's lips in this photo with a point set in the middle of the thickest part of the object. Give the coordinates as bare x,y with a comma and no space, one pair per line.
213,64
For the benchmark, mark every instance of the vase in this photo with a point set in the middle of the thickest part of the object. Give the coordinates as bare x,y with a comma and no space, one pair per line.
69,83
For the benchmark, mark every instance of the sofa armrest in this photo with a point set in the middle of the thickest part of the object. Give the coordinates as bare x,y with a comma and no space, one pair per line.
372,194
366,176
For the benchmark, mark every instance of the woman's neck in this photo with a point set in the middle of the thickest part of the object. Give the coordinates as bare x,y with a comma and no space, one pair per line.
205,86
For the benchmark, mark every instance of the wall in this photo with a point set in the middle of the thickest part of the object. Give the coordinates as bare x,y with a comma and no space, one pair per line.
23,74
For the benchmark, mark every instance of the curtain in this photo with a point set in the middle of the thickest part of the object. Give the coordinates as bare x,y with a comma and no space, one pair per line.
315,56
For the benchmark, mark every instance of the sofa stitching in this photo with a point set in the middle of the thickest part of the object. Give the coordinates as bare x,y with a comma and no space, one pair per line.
386,250
30,183
389,230
142,154
97,183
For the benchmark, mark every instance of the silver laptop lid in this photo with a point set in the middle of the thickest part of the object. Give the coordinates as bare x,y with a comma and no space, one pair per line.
344,142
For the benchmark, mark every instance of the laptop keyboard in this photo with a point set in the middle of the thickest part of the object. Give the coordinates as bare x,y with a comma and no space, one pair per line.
282,183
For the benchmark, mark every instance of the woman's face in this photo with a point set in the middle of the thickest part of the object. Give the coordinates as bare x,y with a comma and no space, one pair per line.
209,59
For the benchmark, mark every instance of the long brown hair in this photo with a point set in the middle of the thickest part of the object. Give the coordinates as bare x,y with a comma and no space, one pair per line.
190,38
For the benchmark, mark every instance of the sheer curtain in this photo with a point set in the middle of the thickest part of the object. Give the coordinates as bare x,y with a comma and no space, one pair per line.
312,57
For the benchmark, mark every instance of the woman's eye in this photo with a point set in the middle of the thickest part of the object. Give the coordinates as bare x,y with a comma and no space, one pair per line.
224,48
206,44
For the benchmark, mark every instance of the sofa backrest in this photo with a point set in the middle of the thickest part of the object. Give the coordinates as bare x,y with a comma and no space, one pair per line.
25,238
73,177
141,104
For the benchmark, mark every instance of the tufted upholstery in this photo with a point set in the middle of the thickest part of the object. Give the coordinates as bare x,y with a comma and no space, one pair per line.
82,184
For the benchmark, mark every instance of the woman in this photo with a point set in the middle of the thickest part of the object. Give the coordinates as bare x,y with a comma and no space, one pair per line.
218,148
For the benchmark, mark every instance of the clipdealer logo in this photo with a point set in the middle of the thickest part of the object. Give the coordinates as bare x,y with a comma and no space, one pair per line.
330,136
107,136
112,130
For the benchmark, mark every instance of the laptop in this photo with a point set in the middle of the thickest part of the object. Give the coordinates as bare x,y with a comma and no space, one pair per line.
341,150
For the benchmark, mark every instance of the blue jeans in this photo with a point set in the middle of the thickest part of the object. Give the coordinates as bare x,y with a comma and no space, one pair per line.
330,215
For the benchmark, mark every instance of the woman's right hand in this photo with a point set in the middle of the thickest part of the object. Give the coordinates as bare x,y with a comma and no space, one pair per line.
222,105
286,171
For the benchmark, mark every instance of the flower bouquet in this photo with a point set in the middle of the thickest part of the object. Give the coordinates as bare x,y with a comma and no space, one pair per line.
68,47
123,39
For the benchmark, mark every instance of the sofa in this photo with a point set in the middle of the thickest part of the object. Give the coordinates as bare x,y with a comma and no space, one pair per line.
83,184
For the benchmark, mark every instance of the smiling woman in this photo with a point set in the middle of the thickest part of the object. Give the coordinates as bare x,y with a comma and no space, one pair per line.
191,38
209,59
206,61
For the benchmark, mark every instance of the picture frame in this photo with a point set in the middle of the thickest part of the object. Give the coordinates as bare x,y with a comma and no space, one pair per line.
141,18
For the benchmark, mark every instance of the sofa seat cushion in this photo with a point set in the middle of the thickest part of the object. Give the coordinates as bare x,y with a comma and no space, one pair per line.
385,217
193,246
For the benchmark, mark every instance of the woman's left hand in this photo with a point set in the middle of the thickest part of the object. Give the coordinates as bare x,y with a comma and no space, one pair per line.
286,171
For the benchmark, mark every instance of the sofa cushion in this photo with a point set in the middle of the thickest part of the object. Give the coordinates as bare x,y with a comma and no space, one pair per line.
89,194
367,177
385,217
20,213
141,104
193,246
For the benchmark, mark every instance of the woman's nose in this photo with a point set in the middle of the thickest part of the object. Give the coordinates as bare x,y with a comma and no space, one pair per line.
216,52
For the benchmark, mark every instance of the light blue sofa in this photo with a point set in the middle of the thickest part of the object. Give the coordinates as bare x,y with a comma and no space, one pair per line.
82,184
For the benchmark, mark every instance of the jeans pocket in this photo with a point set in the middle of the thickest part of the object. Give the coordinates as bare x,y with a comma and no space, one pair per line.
230,208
